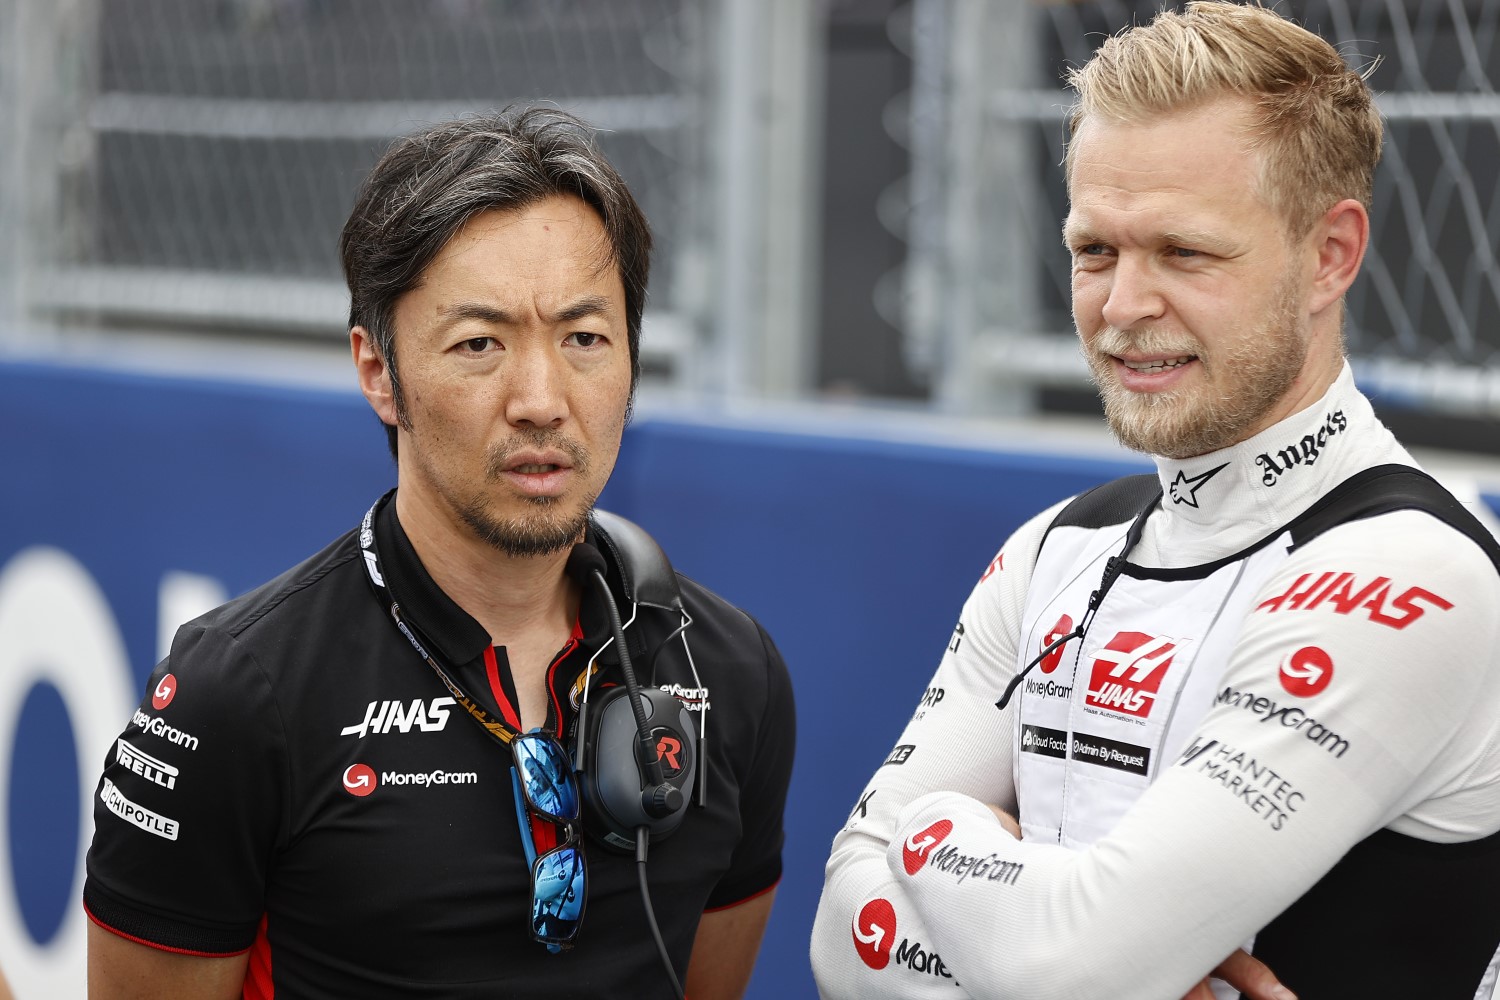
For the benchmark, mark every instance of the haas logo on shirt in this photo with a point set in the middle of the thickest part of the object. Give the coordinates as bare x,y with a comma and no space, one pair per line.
914,852
1128,672
875,932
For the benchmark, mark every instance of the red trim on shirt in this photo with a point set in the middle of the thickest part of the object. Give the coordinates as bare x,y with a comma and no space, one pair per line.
161,947
573,640
258,982
492,671
742,902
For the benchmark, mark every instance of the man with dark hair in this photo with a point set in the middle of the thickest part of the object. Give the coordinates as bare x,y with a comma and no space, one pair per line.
1251,702
372,776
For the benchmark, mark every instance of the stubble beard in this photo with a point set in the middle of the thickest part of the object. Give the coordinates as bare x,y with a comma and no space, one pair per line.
1238,386
552,524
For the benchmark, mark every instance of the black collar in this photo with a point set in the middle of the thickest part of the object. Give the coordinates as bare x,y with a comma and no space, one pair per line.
451,631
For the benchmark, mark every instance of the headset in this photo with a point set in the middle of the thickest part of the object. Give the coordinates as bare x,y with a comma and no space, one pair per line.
636,752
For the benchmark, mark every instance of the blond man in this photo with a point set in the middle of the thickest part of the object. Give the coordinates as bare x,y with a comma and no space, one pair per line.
1249,706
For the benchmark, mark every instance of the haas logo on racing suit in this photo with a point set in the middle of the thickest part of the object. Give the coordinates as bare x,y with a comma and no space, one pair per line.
1128,672
914,852
875,932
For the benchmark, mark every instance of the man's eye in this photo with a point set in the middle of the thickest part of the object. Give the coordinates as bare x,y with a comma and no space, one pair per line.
1182,252
586,339
478,344
1091,249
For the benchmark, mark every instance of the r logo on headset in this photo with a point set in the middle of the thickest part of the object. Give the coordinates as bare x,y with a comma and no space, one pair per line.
637,758
617,790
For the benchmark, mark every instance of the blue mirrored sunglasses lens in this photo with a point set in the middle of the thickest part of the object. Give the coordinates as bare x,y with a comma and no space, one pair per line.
547,777
557,894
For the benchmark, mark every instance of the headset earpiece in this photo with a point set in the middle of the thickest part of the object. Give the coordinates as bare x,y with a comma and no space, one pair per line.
618,794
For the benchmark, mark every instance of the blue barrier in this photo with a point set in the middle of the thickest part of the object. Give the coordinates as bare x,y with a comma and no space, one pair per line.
855,553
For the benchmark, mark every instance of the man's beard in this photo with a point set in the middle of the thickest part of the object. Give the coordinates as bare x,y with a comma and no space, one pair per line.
1238,385
548,527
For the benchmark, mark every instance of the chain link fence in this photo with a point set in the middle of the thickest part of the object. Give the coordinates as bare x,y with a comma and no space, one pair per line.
184,166
188,164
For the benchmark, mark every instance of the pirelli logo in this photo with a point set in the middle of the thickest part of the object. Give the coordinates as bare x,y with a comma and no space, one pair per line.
142,763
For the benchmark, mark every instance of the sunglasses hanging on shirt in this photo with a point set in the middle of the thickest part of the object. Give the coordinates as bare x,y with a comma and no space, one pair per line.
635,752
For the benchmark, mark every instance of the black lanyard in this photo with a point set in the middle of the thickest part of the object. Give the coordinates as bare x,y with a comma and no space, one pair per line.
495,727
1112,568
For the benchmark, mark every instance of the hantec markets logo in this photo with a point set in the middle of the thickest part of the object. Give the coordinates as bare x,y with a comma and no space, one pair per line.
874,932
166,690
1306,672
914,852
360,780
1128,672
1063,627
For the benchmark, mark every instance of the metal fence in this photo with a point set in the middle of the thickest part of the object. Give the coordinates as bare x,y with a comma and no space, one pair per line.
182,168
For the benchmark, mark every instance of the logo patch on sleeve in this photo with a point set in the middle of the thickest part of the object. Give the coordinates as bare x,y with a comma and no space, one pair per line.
914,852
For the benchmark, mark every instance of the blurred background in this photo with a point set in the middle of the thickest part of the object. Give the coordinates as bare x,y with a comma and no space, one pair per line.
860,374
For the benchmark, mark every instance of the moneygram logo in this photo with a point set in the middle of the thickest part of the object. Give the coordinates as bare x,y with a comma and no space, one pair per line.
914,852
1306,672
1063,627
1287,716
1128,672
165,691
158,727
360,779
874,932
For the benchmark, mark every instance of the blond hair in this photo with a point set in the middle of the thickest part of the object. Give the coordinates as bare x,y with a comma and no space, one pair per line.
1315,120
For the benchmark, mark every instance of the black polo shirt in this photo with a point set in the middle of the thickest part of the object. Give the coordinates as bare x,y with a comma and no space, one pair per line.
299,782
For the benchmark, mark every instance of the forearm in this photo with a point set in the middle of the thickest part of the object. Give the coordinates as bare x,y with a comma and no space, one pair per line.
725,948
120,969
868,941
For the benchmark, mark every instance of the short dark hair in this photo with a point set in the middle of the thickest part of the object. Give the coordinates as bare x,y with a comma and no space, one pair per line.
429,184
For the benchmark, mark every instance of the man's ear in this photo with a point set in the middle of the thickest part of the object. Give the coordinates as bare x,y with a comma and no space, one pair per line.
374,374
1339,239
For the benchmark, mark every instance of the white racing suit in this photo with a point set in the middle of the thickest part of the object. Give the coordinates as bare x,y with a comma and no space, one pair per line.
1280,731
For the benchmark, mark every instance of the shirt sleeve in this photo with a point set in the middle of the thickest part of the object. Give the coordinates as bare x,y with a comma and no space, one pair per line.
756,864
189,808
1396,722
869,939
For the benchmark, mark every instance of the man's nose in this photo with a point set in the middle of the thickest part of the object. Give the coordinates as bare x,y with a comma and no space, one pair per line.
536,388
1135,294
